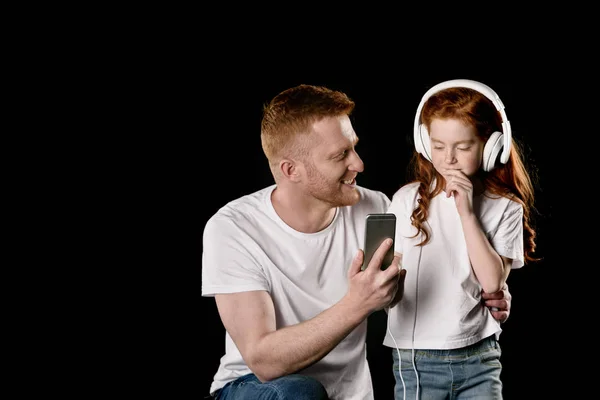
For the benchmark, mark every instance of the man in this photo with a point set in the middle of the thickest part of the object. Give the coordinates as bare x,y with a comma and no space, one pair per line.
284,263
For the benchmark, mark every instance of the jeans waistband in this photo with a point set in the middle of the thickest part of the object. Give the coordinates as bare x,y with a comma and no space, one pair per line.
487,343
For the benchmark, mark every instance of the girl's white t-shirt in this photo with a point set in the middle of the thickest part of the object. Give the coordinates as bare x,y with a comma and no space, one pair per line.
442,306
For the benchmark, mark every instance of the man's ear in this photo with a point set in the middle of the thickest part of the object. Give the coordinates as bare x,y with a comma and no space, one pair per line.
291,169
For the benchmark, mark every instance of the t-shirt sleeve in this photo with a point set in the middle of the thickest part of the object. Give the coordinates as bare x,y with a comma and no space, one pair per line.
227,262
508,238
401,206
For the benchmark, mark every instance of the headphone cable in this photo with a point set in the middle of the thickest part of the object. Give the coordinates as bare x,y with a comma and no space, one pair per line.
413,335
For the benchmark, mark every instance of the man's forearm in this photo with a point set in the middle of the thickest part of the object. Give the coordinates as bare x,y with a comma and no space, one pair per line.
296,347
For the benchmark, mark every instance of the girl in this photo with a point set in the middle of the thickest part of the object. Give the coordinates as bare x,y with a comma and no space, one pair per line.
463,224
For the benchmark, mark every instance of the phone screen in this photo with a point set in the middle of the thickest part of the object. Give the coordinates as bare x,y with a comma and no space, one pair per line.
379,227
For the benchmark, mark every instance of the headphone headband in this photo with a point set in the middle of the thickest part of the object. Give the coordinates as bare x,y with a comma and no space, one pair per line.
481,88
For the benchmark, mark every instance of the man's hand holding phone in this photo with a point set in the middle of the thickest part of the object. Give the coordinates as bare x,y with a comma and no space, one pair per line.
374,288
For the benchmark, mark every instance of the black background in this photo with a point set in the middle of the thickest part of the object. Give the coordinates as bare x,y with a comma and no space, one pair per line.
152,123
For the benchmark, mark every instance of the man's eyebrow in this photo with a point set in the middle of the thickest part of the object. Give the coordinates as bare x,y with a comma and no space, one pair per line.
340,150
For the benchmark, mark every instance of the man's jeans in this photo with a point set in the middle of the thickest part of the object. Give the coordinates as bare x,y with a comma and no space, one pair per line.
292,387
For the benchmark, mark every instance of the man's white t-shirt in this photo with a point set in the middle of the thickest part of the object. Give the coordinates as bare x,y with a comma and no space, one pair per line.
442,307
246,246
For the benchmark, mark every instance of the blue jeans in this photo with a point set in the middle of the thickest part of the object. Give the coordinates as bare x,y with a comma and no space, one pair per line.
471,372
296,387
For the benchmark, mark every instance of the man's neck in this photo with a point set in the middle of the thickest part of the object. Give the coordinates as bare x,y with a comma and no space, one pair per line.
302,213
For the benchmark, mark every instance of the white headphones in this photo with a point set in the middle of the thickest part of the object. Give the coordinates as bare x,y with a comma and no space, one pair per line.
496,142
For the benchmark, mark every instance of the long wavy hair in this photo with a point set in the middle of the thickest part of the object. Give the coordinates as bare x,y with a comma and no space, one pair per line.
511,180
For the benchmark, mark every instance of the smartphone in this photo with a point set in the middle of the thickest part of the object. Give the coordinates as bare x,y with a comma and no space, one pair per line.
379,227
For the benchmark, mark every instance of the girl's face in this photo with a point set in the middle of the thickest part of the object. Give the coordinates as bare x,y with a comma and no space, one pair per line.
455,146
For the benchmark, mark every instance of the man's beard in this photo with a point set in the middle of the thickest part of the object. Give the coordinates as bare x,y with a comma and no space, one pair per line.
327,191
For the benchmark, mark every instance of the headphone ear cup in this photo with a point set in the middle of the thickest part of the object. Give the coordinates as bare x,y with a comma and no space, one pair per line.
492,148
423,144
